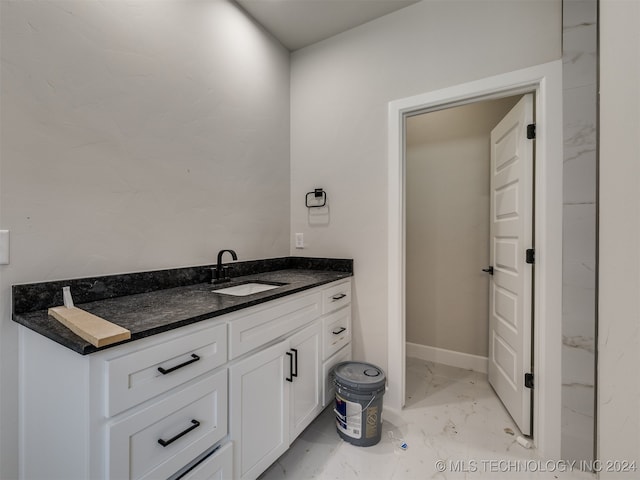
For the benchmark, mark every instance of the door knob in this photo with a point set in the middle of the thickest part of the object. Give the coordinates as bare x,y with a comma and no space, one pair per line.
488,270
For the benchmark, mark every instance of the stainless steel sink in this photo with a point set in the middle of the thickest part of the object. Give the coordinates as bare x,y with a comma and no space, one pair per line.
245,289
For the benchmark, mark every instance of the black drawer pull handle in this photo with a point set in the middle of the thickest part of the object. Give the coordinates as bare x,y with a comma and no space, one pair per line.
339,296
339,331
194,358
165,443
290,377
295,352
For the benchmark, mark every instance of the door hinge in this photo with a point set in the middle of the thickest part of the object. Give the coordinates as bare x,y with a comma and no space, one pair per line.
528,380
531,131
530,256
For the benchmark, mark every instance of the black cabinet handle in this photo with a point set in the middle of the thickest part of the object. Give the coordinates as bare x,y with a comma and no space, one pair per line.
339,331
290,377
295,362
194,358
338,296
165,443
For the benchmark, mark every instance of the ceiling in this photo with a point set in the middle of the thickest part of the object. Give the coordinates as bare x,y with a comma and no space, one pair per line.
298,23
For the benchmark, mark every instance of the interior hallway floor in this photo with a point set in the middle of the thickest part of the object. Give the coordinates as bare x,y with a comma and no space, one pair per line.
452,416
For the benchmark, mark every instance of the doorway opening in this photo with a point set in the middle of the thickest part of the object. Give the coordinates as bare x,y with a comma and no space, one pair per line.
545,81
469,219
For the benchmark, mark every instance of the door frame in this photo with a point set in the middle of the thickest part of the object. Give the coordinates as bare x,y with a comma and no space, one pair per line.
545,81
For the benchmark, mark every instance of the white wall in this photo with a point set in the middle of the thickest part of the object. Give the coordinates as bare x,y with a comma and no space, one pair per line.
340,90
135,136
619,230
448,156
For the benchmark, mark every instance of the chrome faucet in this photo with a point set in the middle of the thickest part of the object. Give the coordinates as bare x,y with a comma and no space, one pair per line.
220,274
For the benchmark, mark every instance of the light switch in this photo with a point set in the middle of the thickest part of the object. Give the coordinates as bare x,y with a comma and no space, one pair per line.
299,240
4,247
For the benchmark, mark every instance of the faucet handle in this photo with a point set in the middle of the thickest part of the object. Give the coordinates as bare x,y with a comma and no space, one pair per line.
214,274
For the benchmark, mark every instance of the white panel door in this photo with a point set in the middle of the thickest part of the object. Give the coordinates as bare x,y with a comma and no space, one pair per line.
511,230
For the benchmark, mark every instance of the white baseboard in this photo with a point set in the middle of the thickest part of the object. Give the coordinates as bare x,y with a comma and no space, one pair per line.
448,357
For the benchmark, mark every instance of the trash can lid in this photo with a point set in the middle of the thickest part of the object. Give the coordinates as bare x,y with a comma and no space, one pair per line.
360,376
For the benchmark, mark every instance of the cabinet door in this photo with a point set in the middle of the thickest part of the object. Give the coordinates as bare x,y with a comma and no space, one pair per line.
306,387
259,410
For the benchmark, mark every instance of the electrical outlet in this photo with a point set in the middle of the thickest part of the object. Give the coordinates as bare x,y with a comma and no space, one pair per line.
4,247
299,240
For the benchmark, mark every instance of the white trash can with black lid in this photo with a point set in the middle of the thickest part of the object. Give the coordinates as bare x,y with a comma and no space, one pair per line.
359,390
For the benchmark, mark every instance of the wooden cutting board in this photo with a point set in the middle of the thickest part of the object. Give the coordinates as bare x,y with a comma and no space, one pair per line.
95,330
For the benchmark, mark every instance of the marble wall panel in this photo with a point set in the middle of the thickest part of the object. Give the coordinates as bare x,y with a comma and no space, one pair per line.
579,227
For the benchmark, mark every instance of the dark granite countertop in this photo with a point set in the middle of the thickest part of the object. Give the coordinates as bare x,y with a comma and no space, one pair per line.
161,310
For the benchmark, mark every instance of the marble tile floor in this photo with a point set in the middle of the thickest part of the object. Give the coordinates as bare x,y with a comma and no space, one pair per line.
452,416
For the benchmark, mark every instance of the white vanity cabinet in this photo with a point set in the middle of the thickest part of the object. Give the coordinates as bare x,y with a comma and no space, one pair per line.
275,393
140,410
219,399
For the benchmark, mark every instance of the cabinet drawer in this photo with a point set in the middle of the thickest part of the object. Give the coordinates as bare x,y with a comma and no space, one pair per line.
336,332
336,297
187,423
217,466
252,329
328,388
135,377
